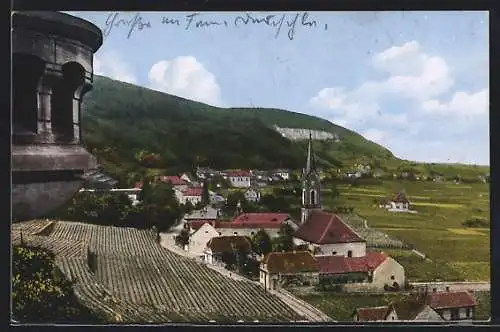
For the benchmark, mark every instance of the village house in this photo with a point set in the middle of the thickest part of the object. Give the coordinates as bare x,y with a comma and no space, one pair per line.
192,195
186,178
239,179
284,174
248,224
252,195
280,269
435,306
175,181
199,239
373,272
399,203
206,213
203,173
217,247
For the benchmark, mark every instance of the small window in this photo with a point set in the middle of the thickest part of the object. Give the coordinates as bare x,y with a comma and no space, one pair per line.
235,233
251,233
447,288
206,232
392,277
349,253
220,233
468,312
334,253
434,290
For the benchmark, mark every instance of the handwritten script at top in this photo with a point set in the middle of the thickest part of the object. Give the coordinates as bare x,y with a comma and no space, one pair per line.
282,23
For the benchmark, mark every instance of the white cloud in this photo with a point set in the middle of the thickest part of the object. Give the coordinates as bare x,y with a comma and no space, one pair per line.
461,104
185,77
406,109
111,65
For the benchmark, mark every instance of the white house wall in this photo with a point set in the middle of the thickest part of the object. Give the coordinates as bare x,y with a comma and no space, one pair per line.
240,181
199,239
382,274
428,314
250,232
358,249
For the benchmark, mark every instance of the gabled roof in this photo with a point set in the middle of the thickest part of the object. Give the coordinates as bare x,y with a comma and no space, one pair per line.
252,220
326,228
341,264
373,314
227,244
239,174
290,262
174,180
400,198
446,300
408,309
192,192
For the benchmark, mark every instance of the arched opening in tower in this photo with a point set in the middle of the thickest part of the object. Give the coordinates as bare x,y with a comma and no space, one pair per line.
313,197
64,114
27,71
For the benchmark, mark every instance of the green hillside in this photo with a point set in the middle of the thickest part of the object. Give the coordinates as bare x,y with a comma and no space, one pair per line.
120,120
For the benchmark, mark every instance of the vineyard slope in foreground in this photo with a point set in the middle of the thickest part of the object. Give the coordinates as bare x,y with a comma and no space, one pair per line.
127,276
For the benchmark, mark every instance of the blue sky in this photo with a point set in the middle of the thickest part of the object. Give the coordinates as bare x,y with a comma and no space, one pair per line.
414,82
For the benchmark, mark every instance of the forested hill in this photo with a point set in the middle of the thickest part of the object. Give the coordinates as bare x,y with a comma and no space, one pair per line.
120,120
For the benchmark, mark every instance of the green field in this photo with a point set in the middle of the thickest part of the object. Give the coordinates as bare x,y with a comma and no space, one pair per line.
454,252
341,306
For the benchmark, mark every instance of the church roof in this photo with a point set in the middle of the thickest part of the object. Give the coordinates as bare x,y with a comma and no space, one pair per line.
326,228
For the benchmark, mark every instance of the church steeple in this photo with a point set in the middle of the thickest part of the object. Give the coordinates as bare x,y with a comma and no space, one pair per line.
311,185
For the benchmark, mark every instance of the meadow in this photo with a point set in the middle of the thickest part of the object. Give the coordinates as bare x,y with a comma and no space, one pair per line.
453,252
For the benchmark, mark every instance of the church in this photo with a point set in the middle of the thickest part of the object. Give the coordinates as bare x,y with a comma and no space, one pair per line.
324,233
331,251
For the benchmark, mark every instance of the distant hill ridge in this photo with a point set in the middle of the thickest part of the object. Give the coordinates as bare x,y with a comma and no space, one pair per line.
122,121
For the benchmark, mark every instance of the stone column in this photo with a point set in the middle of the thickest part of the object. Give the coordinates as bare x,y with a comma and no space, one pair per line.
44,114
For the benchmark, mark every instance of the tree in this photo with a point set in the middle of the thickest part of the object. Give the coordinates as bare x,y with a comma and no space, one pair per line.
205,198
41,293
146,194
284,242
261,243
182,239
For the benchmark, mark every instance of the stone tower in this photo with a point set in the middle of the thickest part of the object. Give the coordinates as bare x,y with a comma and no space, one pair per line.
52,55
311,185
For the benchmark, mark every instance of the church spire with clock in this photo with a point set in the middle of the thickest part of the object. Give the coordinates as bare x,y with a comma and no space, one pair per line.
311,185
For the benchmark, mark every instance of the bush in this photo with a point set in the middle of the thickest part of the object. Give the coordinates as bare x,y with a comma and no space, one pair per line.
476,223
41,293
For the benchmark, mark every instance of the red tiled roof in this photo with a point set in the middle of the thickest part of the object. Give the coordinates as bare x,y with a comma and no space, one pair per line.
326,228
174,180
217,224
341,264
290,262
227,244
445,300
373,314
193,192
271,219
239,174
